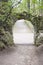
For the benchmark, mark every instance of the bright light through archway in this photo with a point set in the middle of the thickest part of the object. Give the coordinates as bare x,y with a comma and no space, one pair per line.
23,33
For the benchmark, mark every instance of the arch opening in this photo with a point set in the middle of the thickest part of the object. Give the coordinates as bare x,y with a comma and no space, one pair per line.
23,32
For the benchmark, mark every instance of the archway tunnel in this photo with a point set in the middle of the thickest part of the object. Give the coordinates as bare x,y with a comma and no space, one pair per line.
23,32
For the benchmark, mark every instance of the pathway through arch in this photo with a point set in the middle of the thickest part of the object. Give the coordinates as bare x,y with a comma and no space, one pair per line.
22,34
22,54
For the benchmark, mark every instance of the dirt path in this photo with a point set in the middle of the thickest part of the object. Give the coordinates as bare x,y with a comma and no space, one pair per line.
22,55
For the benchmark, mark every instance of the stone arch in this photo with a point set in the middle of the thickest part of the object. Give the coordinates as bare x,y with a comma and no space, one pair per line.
26,16
6,29
33,19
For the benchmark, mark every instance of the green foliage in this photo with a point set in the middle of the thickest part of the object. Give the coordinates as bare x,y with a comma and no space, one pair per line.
36,7
21,7
6,23
2,46
5,38
39,40
4,10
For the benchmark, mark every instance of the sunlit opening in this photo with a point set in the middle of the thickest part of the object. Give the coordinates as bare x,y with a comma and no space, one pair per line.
23,32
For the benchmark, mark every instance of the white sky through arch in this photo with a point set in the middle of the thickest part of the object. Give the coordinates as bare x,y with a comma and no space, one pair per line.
22,34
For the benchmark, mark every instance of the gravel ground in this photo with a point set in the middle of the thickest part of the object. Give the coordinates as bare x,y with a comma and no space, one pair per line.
22,55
